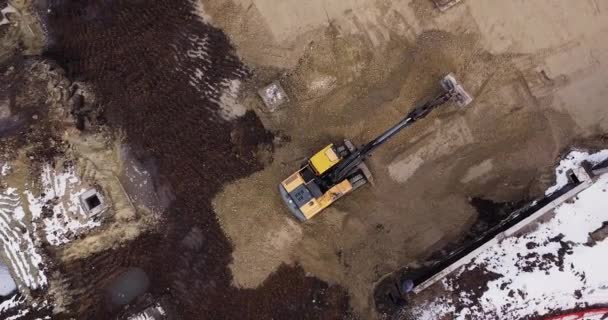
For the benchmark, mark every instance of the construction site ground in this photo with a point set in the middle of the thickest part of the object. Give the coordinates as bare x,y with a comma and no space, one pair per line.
178,92
353,68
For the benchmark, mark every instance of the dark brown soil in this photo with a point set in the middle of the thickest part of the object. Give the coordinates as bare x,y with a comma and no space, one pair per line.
134,53
489,215
598,235
3,29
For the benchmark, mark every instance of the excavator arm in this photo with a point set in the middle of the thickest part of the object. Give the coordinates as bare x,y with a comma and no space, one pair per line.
452,90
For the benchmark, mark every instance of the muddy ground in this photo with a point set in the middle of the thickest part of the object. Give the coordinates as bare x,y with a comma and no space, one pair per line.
179,132
177,83
140,57
352,69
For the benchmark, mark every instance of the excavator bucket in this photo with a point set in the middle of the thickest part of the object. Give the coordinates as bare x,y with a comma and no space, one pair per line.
450,84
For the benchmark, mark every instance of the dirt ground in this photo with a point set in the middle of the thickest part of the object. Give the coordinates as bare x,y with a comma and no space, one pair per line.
164,88
352,68
177,89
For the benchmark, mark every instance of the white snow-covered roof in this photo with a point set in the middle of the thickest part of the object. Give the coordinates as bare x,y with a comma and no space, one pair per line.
561,265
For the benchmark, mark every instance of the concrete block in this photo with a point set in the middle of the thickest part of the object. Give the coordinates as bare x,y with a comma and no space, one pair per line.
273,96
92,202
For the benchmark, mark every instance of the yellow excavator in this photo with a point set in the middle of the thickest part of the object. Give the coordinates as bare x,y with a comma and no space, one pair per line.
339,169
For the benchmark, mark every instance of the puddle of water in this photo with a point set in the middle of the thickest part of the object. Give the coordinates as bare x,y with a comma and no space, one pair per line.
143,183
128,286
7,283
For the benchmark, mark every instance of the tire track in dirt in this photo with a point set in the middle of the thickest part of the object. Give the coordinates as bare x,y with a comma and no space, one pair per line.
134,53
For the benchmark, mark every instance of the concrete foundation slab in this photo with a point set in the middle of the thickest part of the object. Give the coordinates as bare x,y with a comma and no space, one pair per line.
273,96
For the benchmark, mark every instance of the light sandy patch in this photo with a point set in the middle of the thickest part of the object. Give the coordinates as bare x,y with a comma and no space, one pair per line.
402,170
250,269
445,141
278,34
202,13
285,22
532,25
321,84
477,171
262,232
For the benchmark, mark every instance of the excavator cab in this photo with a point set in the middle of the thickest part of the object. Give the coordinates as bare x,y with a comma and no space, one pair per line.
307,192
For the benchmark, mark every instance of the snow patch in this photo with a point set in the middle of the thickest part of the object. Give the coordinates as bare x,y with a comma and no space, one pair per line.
154,312
11,303
5,169
555,267
19,315
18,242
61,199
200,47
322,84
55,216
198,65
230,109
7,283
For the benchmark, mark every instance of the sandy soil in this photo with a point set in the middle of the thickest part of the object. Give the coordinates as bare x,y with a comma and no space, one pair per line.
195,129
352,68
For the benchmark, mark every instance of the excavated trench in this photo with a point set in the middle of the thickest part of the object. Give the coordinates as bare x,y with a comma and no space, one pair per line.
144,61
492,219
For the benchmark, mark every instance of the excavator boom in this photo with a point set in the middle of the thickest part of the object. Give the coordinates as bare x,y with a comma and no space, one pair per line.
337,170
452,91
